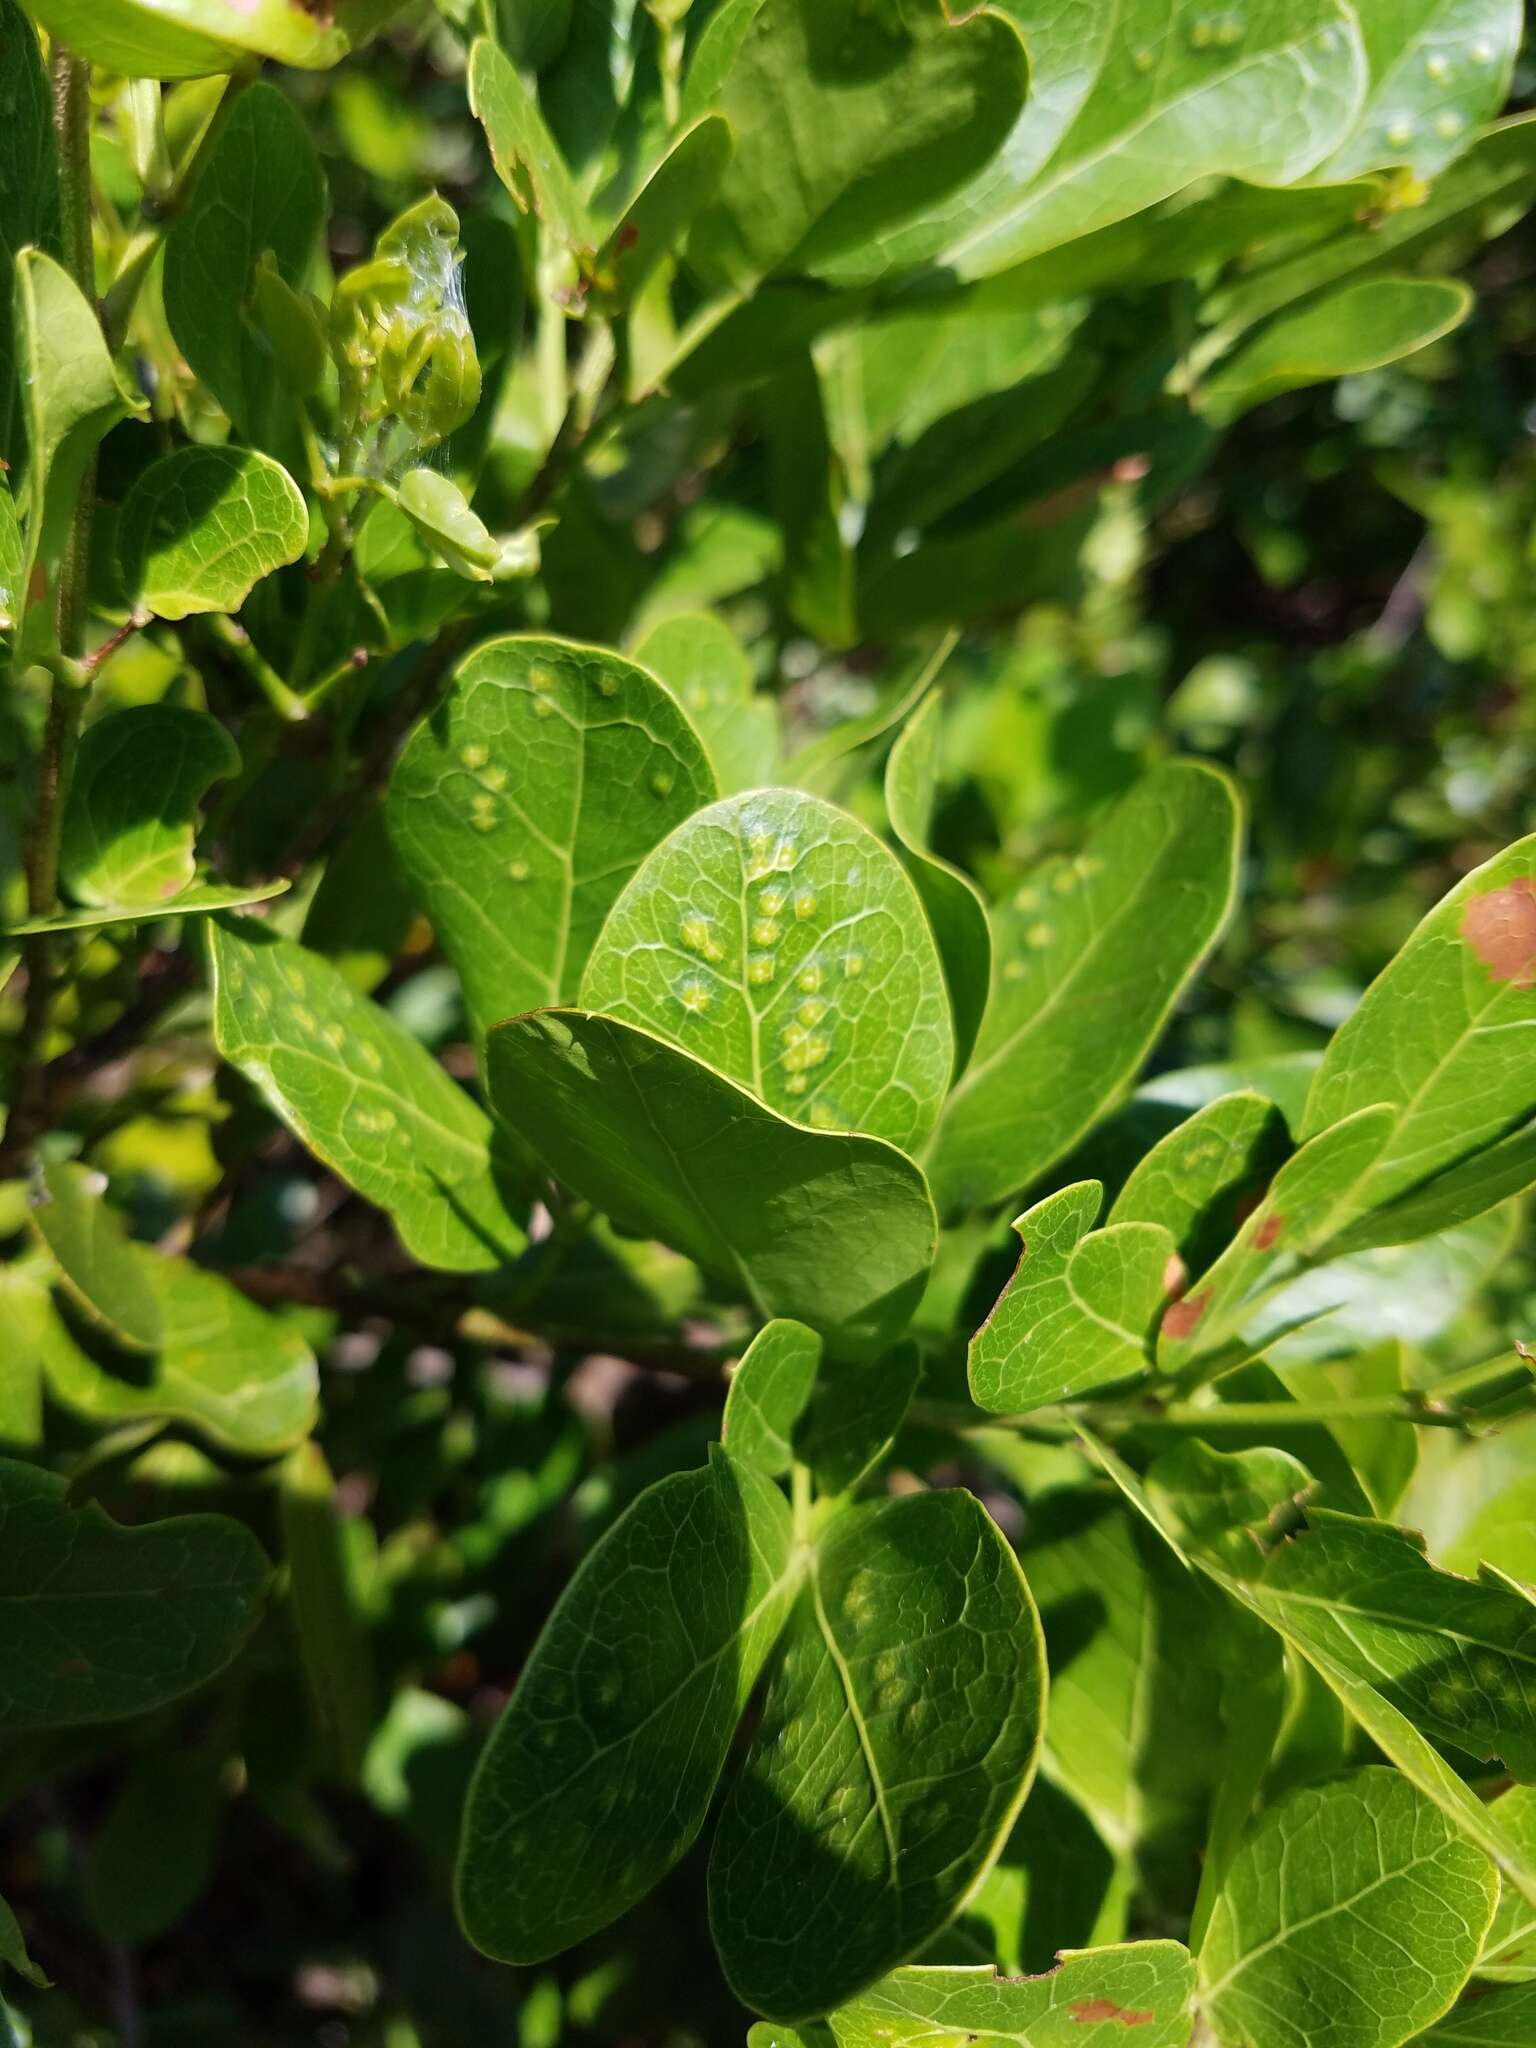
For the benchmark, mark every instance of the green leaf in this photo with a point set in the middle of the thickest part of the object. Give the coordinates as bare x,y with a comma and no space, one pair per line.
1352,1914
846,123
130,822
767,1396
522,806
527,157
189,38
1361,326
1138,107
1454,1196
13,1949
97,1262
72,394
706,668
1506,2020
1457,1658
1153,1681
1093,948
836,1231
787,1403
334,1649
442,515
262,189
158,1845
240,1378
1147,1985
1438,70
650,227
1509,1947
898,1739
362,1094
25,1313
123,1620
1197,1179
1299,1212
603,1766
1444,1034
29,204
1081,1309
954,904
200,900
776,939
13,559
202,526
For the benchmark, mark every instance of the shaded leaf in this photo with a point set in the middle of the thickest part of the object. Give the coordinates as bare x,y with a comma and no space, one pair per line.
334,1649
706,668
123,1620
887,1771
96,1260
130,821
158,1845
833,1230
604,1764
1197,1179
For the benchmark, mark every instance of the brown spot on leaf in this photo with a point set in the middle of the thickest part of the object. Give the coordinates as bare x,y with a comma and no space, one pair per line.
629,234
1500,927
1268,1232
1091,2009
1183,1318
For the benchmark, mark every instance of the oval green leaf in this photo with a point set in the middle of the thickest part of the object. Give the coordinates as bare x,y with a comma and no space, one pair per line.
775,938
123,1620
130,822
603,1766
898,1741
706,668
362,1094
525,802
202,526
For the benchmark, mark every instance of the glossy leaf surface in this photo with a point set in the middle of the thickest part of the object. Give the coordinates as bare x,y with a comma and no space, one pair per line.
523,805
1147,1985
775,938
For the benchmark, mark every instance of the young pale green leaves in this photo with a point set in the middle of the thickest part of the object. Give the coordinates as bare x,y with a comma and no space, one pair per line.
202,526
362,1094
1093,949
706,668
787,1403
1148,1985
121,1620
1446,1035
1081,1309
524,803
1353,1914
898,1740
190,38
777,939
834,1230
598,1776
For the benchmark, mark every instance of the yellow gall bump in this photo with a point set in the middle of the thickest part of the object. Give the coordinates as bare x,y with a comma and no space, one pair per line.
1014,971
1064,881
805,905
765,932
305,1019
540,679
1400,134
542,708
517,871
335,1036
1039,935
695,931
1026,899
474,756
661,782
1448,125
759,855
809,980
797,1084
772,901
694,997
760,969
607,685
853,965
370,1056
1142,60
1437,67
1482,53
823,1116
785,855
494,778
811,1012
